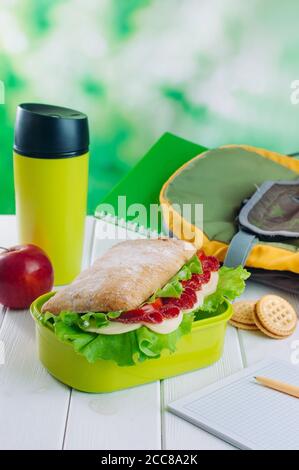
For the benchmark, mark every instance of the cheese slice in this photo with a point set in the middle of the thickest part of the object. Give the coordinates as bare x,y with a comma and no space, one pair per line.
115,328
167,326
211,286
164,328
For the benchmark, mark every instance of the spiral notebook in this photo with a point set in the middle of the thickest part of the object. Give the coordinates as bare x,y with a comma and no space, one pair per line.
141,186
110,230
245,413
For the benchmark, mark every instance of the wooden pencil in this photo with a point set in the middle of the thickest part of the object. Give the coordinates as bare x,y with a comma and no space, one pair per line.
279,386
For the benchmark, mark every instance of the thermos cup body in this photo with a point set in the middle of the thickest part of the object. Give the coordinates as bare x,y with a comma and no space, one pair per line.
51,178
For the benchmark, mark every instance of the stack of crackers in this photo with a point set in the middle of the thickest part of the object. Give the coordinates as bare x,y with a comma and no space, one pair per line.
272,315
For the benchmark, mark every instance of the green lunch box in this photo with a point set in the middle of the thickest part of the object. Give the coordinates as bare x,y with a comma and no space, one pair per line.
200,348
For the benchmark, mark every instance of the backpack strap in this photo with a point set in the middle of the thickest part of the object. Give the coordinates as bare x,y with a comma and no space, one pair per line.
239,249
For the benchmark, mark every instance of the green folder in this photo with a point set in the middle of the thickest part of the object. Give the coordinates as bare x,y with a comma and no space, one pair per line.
143,183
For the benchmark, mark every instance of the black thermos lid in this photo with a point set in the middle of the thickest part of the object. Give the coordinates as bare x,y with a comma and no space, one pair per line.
46,131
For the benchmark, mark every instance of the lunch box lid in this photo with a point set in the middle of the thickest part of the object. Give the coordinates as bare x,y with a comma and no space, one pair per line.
47,131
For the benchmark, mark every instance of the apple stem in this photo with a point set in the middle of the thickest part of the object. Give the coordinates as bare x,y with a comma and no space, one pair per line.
4,249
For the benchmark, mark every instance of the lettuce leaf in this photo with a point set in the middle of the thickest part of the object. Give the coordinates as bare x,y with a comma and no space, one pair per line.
152,344
125,349
174,287
230,285
194,265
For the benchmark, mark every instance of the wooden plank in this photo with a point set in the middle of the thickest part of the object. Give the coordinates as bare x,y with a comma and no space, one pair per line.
256,346
2,314
120,420
8,238
33,405
179,434
129,419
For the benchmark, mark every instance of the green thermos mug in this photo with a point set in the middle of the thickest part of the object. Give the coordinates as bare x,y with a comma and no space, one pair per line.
51,176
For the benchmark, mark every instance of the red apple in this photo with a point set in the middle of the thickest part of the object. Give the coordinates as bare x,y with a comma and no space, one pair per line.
25,273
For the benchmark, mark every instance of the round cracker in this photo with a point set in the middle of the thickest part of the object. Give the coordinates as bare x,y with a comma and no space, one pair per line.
275,315
243,326
263,330
243,312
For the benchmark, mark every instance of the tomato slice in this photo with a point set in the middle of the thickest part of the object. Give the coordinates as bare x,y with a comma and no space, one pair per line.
157,303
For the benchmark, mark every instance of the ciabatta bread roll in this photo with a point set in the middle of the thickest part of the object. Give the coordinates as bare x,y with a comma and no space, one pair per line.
124,277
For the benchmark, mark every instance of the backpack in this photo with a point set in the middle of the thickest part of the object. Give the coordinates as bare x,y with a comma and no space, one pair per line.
250,199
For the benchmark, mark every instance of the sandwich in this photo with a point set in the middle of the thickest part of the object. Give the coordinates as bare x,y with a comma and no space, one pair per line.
139,299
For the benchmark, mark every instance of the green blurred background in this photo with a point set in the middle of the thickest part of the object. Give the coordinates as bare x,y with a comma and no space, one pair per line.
212,71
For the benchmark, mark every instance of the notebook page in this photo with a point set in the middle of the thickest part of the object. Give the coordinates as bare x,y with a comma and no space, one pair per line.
245,413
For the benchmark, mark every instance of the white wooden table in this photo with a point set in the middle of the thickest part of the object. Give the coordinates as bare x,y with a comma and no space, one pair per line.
38,412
